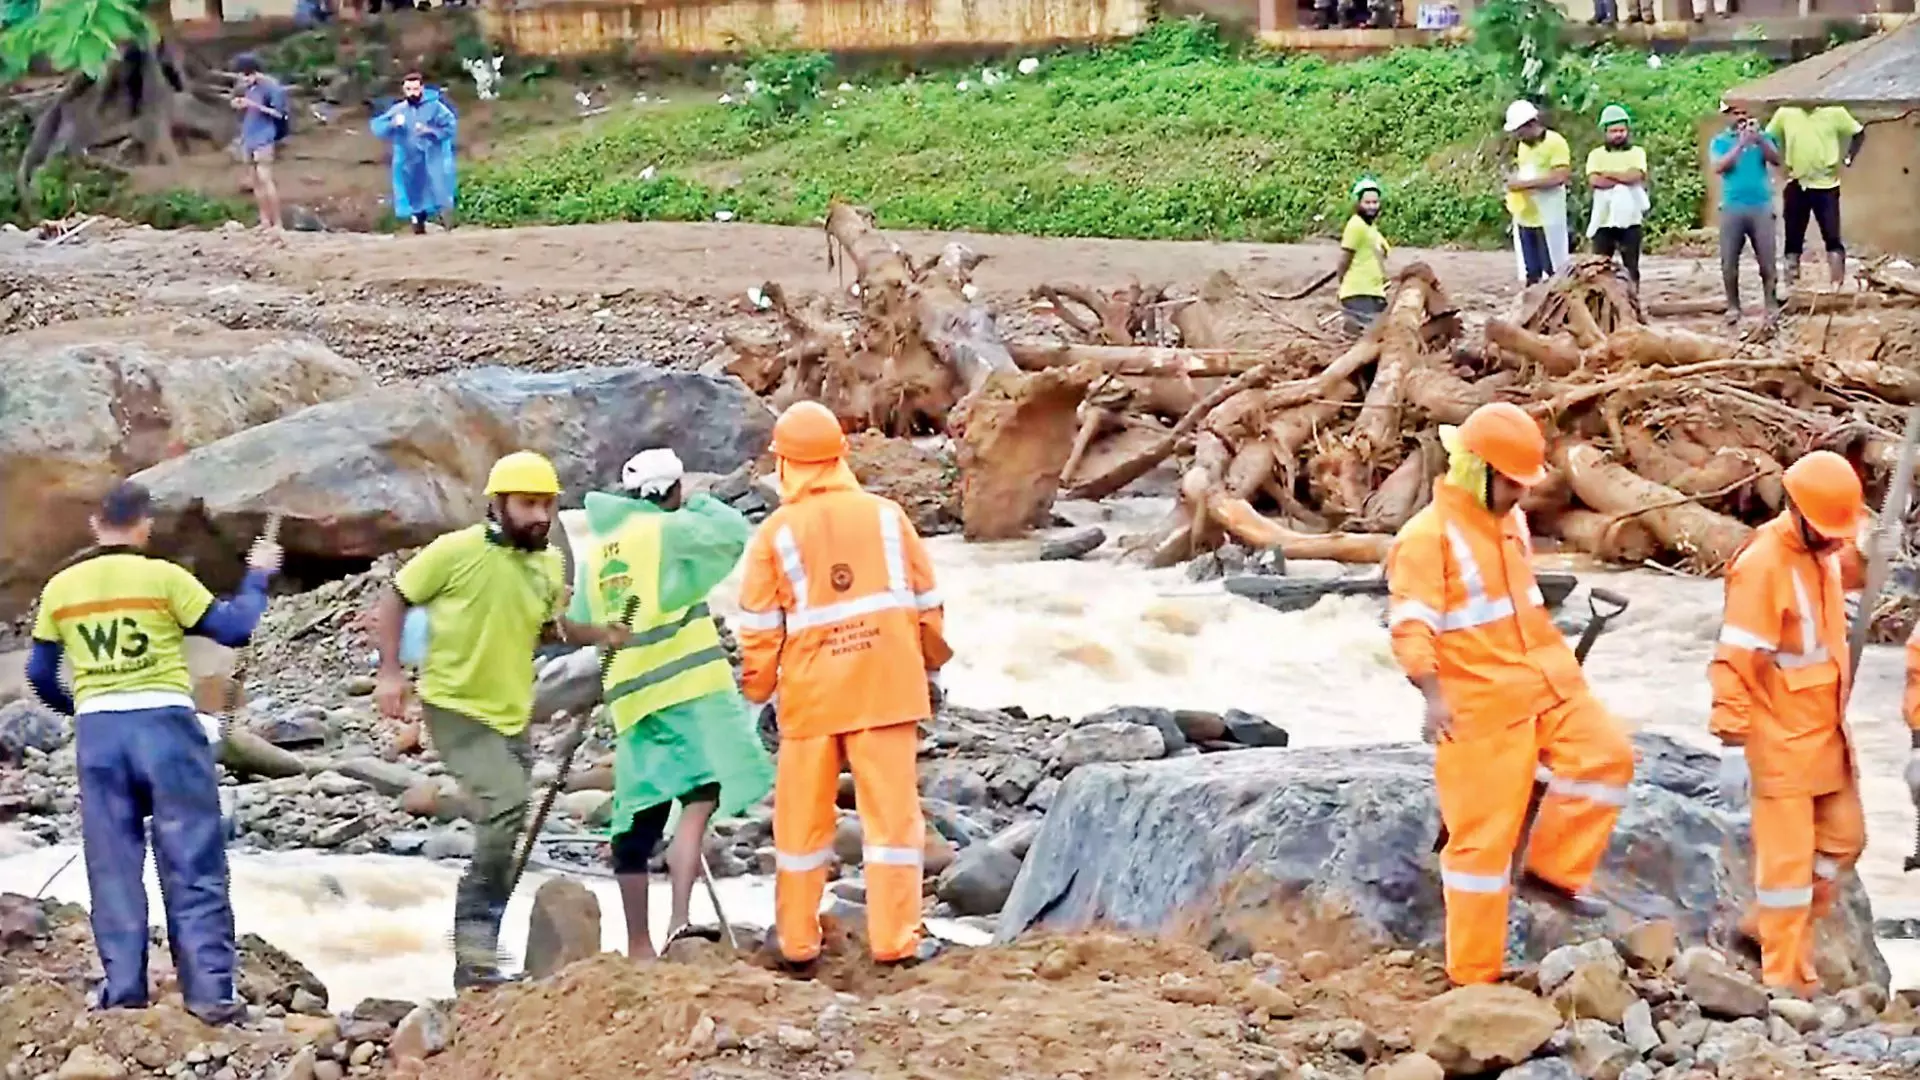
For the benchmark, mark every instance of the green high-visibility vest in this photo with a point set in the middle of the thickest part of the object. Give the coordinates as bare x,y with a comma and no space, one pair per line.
675,656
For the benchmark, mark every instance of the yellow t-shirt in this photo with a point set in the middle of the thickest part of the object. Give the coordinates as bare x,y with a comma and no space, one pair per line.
121,618
1603,159
1812,144
486,602
1366,275
1533,162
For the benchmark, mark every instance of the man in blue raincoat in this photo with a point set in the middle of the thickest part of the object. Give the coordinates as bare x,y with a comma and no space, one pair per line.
420,127
683,732
119,617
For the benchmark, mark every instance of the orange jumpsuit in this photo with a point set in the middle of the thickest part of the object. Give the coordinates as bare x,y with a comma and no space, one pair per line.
1780,686
1466,608
840,616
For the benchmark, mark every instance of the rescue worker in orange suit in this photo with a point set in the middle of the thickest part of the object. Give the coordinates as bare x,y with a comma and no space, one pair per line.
840,618
1504,694
1911,710
1780,685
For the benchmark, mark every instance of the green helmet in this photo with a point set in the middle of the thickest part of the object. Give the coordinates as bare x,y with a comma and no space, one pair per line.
1364,184
1614,114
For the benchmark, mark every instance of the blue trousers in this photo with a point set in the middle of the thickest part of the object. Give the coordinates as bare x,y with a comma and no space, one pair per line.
155,764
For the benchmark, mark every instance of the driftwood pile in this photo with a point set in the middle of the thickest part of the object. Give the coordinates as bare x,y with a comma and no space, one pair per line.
1667,443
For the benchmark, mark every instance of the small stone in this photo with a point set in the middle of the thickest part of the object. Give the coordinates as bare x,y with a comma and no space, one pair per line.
848,840
306,1001
1864,1002
563,927
1652,945
362,1054
1558,966
1780,1032
1595,991
421,1035
1043,793
1596,1054
980,880
1552,1068
1637,1023
1072,544
1057,964
1315,965
1185,990
1414,1067
1802,1016
302,1067
1270,999
1092,744
1355,1040
1718,989
1860,1045
328,1070
1476,1028
1248,729
317,1030
797,1040
87,1063
359,685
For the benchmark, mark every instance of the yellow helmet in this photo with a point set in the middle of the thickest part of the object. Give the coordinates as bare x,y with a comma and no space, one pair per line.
523,473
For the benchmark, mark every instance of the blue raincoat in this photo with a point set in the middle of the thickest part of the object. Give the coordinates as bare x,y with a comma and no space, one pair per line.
422,139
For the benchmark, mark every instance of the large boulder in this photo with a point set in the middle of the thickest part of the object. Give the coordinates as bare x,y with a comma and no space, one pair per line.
397,467
1155,845
85,404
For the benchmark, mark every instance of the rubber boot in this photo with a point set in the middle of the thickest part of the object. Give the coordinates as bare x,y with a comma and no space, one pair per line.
476,938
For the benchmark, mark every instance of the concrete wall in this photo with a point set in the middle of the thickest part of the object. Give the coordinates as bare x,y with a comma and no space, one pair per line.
569,28
1877,196
1235,16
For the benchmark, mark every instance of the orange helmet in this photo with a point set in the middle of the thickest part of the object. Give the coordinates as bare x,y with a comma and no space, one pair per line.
1826,491
808,433
1508,440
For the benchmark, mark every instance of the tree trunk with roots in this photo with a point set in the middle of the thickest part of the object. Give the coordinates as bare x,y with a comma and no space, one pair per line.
150,100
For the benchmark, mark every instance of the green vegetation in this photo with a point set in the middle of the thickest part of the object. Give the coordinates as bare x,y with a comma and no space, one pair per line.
75,35
1174,135
65,187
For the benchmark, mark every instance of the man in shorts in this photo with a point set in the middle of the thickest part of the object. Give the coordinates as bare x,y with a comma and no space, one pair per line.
262,105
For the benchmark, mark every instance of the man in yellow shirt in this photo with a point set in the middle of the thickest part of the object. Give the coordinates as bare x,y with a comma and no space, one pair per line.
1617,172
1363,260
120,619
1810,141
1537,192
490,591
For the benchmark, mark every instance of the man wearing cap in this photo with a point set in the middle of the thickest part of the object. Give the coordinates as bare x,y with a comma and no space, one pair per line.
1741,156
1363,260
1505,697
1617,172
120,618
1537,192
264,114
1816,145
839,614
683,733
490,592
1781,680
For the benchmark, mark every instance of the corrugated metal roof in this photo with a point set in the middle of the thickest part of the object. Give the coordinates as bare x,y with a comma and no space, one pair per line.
1880,70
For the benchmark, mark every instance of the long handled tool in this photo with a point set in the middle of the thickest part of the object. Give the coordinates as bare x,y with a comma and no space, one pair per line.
1603,606
1882,542
576,734
713,897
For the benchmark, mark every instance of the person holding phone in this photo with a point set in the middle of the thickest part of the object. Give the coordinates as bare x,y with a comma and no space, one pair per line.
263,109
1741,156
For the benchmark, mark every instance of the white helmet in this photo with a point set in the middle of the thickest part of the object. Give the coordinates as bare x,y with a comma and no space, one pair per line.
1520,114
652,473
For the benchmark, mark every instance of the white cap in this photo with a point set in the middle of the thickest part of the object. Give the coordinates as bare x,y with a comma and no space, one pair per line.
1520,114
652,472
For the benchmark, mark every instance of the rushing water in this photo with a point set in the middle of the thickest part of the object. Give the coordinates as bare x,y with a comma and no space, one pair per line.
1066,638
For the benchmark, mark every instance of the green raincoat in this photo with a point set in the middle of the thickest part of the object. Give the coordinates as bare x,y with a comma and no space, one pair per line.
711,739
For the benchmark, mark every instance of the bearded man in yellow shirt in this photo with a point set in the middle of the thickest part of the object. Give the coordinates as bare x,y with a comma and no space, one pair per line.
1810,141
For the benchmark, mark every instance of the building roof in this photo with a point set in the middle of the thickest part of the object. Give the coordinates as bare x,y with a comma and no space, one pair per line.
1882,70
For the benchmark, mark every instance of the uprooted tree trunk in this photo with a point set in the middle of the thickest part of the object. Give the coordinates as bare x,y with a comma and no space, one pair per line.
1680,523
149,100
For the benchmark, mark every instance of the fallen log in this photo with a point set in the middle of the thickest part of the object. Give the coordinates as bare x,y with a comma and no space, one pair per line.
1105,484
1134,359
1555,355
1646,346
1681,525
1606,536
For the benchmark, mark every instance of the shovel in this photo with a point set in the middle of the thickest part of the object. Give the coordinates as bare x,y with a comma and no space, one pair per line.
1604,606
1886,531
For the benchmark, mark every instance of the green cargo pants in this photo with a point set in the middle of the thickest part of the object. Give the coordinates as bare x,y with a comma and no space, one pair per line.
495,774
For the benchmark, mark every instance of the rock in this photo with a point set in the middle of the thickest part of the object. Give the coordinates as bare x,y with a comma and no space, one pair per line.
342,831
1148,847
245,754
1316,965
1559,965
1720,991
1014,780
1414,1067
1800,1015
564,926
1652,945
398,466
1270,999
448,844
1595,992
1476,1028
1861,1045
333,783
362,1055
1542,1069
1096,743
1637,1023
1161,720
849,843
267,976
592,808
979,880
87,1063
27,725
389,778
1073,544
1249,730
421,1035
568,683
1043,793
93,401
1864,1004
388,1011
936,853
297,730
314,1030
1595,1053
301,1067
1199,727
18,842
796,1040
953,781
22,920
1017,838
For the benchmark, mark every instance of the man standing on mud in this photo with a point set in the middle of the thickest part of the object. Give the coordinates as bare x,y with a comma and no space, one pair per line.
120,618
1817,144
1504,693
262,105
1537,192
1741,155
420,128
682,732
490,592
